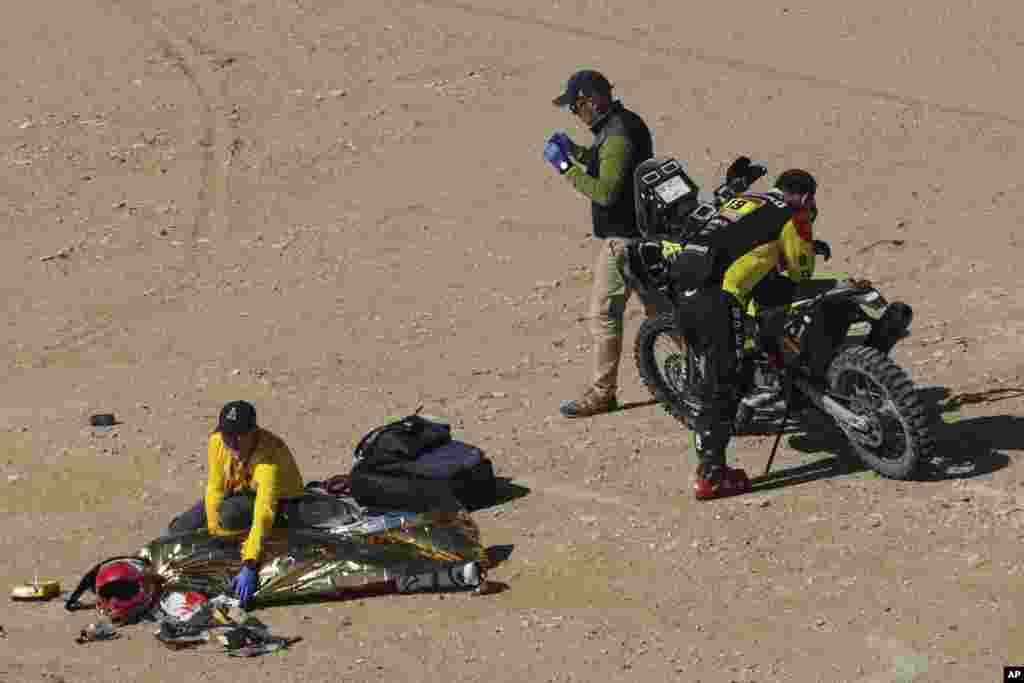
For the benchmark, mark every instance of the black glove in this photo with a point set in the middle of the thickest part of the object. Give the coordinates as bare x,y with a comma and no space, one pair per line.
755,172
738,169
822,249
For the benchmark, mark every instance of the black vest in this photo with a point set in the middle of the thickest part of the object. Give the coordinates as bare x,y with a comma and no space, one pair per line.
619,219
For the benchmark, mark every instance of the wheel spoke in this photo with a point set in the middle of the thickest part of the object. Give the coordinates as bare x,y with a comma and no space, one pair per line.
869,399
895,438
671,362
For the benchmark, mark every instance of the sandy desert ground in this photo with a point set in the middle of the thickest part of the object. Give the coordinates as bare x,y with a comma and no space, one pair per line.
338,210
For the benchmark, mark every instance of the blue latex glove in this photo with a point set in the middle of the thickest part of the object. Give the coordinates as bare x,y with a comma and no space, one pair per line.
556,152
244,585
562,139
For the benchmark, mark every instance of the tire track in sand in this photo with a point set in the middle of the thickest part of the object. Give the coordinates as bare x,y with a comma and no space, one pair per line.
211,217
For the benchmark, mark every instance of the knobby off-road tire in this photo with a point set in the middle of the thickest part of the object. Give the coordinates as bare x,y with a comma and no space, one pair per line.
870,382
655,333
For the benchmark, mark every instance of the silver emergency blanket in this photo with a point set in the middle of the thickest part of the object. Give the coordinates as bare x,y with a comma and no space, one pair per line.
354,551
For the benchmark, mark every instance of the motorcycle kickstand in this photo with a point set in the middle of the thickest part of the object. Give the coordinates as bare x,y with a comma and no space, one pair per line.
782,427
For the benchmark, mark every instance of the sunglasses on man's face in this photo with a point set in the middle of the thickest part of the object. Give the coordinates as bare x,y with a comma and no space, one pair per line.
575,106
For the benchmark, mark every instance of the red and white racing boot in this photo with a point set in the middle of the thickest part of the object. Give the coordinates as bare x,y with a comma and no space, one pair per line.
720,481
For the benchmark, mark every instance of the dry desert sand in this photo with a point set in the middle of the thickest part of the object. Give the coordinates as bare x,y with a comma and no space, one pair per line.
338,210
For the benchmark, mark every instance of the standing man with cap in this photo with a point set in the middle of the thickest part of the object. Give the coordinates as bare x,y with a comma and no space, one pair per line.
603,173
250,470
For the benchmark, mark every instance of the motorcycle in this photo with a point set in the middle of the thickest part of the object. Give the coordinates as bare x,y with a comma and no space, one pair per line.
828,350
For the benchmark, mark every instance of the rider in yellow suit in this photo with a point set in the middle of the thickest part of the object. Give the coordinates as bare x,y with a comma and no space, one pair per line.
754,236
789,249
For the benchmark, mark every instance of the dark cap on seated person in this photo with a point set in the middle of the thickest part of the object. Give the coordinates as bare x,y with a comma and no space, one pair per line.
237,417
585,82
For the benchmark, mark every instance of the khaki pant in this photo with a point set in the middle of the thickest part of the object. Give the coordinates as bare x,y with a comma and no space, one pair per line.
608,300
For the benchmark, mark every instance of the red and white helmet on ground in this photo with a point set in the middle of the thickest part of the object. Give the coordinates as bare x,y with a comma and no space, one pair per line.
125,590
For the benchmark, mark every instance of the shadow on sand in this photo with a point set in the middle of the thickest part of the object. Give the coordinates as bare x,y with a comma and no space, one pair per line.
965,448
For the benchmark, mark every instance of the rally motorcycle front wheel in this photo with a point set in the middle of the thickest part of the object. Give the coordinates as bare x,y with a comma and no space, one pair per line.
660,355
896,437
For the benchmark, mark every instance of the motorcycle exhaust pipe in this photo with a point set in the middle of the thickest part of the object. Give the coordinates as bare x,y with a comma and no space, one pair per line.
845,417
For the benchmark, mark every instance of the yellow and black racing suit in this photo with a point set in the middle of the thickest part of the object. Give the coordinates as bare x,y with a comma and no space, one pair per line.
752,239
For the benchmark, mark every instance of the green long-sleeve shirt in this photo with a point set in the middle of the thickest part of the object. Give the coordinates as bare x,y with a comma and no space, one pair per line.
613,158
603,172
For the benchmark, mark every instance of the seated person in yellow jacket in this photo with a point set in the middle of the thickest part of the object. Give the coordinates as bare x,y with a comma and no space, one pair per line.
250,471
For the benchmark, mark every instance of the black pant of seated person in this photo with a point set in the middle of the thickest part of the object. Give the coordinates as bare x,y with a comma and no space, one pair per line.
235,513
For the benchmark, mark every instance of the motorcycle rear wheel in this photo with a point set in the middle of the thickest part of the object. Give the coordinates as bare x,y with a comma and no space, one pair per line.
874,386
660,355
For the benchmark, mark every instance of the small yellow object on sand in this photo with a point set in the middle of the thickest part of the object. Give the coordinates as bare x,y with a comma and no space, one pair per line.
37,590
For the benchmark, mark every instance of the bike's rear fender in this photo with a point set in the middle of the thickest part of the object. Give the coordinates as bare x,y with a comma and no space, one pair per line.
891,327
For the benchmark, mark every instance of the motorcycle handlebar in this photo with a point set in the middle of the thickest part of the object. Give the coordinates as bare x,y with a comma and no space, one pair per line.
740,184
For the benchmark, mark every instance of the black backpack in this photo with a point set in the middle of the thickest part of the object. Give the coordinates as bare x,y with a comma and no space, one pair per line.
385,475
386,448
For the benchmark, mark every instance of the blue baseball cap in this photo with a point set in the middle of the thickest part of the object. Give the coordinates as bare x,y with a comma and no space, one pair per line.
585,82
